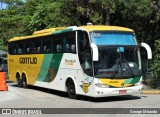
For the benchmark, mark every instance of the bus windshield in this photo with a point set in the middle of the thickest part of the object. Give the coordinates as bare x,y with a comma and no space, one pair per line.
118,55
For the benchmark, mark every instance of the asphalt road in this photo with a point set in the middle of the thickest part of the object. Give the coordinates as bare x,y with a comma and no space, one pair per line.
36,97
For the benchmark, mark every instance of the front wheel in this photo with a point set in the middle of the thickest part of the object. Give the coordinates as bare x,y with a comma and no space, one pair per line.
71,89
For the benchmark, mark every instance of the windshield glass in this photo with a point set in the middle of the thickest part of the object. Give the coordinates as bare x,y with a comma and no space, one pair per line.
118,55
116,64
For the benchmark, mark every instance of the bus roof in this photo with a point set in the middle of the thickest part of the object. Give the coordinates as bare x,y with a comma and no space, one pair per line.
89,28
39,33
106,28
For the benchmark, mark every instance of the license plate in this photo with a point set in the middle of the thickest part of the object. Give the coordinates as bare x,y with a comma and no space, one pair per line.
122,91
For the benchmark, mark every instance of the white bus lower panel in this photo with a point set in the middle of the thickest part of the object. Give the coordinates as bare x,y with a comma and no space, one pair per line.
104,92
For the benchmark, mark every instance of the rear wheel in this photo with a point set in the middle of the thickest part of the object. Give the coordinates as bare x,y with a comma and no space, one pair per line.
71,89
24,81
19,81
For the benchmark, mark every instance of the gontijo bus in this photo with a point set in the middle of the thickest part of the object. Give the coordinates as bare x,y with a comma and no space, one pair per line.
92,60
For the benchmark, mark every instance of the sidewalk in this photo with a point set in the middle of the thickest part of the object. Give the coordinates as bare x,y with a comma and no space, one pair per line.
150,91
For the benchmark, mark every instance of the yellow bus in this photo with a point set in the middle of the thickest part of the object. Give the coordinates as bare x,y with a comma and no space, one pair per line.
91,60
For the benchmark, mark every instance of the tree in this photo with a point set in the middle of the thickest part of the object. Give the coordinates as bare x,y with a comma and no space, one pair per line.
141,15
11,20
95,11
156,63
23,18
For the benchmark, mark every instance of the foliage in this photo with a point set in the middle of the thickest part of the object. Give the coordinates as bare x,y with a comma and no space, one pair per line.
156,64
141,15
12,20
23,18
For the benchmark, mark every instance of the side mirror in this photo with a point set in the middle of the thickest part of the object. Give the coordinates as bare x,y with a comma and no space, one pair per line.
95,52
149,51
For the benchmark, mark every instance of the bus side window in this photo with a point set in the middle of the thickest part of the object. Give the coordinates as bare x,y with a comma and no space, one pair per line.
59,48
29,47
58,43
70,42
20,48
37,46
47,45
27,50
73,48
68,49
19,51
38,49
15,50
34,50
44,49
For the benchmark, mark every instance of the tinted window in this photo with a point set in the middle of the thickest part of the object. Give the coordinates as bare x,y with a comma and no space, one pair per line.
69,40
59,43
84,53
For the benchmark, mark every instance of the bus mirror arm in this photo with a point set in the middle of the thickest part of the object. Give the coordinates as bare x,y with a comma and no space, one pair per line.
95,52
149,51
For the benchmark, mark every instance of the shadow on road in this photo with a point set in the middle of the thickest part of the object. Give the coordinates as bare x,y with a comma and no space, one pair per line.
82,98
110,98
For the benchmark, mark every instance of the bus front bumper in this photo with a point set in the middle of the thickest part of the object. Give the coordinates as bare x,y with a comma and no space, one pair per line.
104,92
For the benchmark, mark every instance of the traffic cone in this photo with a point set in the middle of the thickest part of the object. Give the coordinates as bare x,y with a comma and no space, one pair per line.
3,86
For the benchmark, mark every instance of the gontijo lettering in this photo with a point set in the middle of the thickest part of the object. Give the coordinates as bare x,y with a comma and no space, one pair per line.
28,60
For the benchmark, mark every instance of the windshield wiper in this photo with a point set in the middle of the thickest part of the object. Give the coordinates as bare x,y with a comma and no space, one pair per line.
120,65
129,68
115,70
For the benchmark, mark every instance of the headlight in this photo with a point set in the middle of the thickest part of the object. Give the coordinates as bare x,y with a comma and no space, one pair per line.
100,85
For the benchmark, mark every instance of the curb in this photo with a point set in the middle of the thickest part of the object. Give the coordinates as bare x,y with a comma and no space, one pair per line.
150,92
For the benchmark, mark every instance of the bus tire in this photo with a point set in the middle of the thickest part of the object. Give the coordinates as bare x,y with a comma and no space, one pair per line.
71,90
24,81
19,81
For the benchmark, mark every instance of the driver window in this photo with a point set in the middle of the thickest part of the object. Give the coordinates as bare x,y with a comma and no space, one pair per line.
84,52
